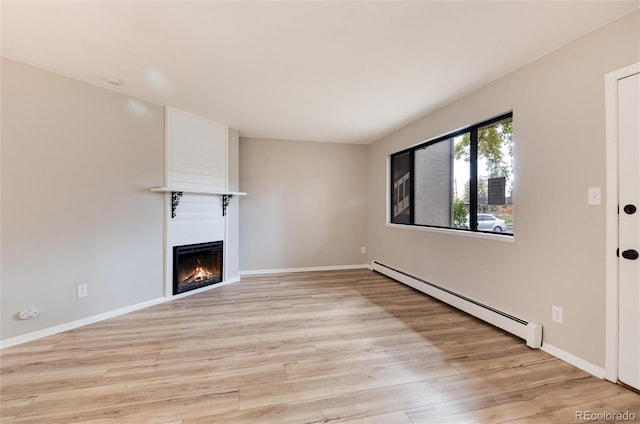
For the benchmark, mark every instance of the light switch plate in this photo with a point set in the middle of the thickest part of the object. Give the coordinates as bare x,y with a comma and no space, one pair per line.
594,196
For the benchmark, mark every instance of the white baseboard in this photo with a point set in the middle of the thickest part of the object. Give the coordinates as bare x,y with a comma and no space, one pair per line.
35,335
304,269
574,360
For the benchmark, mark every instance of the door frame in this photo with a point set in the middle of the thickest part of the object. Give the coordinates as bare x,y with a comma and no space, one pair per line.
611,212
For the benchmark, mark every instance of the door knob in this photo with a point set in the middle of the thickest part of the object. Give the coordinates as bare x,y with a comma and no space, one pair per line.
630,254
629,209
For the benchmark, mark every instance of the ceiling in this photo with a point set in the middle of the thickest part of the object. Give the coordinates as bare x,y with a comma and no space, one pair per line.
336,71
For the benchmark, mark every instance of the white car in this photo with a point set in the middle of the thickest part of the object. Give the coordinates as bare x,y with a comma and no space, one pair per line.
487,222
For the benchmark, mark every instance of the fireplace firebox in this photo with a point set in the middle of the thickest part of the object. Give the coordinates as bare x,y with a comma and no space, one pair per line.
196,265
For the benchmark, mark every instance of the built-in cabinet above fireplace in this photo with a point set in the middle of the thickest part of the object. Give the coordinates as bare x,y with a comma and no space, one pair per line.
201,179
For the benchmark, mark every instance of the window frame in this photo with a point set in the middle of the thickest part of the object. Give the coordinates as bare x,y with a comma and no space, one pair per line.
473,177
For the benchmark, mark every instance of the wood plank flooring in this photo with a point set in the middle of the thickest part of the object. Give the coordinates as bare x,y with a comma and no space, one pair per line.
349,346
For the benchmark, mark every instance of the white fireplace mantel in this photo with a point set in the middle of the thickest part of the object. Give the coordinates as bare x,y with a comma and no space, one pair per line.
201,163
176,194
196,191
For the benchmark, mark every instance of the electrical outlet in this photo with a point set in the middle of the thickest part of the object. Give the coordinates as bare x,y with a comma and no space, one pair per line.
556,314
29,313
363,249
83,290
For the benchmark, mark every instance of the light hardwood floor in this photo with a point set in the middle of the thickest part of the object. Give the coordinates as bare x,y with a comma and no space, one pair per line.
324,347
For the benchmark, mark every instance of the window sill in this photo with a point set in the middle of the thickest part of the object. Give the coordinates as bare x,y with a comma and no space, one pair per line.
487,236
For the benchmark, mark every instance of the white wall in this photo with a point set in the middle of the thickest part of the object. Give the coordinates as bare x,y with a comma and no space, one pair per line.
232,241
196,151
559,135
305,204
77,165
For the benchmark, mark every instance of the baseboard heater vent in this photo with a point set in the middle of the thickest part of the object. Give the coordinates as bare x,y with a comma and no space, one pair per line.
529,331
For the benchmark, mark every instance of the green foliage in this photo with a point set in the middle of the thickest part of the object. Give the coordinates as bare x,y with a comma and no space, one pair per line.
459,214
490,142
462,149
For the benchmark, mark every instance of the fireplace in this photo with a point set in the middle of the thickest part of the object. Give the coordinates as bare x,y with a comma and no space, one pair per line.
196,265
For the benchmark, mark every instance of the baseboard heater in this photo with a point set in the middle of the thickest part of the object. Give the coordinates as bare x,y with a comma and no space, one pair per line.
531,332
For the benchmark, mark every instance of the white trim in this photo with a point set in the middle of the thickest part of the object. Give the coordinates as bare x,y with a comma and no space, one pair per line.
472,234
166,251
611,220
226,160
304,269
574,360
35,335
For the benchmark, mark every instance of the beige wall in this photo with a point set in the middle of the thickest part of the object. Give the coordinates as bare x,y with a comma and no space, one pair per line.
559,135
77,165
305,205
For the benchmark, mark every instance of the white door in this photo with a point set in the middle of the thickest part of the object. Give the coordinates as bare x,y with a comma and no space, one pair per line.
629,230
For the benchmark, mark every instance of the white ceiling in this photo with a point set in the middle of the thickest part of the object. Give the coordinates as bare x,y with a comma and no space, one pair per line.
323,71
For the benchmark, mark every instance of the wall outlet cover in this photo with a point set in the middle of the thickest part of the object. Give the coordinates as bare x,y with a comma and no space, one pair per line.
83,290
29,313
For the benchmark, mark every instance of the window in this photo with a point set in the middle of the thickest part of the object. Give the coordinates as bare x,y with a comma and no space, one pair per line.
402,189
463,180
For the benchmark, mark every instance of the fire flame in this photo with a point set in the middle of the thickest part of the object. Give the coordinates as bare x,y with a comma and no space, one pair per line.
201,274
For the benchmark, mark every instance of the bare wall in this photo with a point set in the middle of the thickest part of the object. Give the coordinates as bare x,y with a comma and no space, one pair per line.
558,256
305,204
77,165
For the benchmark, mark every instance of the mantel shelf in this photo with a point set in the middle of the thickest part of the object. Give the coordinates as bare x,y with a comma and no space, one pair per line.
196,191
176,194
